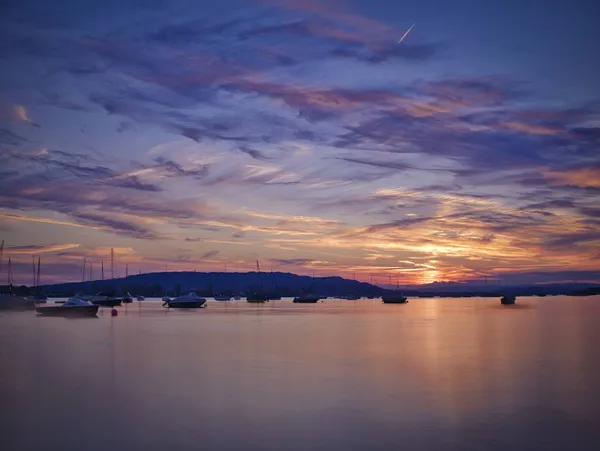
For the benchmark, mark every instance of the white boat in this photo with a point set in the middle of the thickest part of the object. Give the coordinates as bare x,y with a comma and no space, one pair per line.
140,298
128,298
190,300
166,299
75,306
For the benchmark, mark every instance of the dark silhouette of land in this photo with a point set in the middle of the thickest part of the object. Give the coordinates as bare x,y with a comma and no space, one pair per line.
288,284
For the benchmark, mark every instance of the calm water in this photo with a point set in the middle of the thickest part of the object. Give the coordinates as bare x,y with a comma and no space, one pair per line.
434,374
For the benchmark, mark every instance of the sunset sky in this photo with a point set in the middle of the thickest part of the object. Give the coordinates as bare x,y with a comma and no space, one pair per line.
201,135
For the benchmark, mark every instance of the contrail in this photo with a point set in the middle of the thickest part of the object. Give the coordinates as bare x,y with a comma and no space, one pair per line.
406,34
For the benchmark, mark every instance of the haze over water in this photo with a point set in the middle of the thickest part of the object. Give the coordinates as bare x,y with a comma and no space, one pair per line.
452,374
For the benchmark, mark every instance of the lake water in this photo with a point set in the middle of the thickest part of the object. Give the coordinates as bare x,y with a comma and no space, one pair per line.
433,374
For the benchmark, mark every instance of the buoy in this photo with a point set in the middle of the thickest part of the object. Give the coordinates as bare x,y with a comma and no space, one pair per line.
114,312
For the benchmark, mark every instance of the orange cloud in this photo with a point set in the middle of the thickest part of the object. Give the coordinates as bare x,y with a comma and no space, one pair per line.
20,114
530,128
583,177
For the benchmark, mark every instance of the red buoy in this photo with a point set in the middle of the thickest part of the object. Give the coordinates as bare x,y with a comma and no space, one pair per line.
114,312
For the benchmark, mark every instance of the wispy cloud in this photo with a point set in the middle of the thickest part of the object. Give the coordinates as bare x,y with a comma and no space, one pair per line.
20,115
38,248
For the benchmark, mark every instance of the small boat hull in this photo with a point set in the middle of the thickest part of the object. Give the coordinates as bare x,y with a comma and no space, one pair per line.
257,299
186,304
85,310
395,300
306,299
507,300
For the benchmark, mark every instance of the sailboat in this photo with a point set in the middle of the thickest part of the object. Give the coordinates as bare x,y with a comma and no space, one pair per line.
308,298
38,297
507,299
394,297
257,298
10,301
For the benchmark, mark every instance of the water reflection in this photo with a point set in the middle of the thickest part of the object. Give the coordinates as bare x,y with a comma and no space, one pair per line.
434,373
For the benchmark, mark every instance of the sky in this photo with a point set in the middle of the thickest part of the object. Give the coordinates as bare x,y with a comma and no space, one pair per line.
192,135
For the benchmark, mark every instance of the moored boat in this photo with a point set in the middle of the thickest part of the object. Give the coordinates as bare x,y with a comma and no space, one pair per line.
11,302
394,298
190,300
307,299
127,299
222,298
257,298
140,298
508,299
74,306
103,300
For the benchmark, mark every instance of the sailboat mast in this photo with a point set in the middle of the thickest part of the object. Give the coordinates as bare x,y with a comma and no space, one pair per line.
126,269
33,269
9,273
1,254
102,268
257,266
83,271
112,263
91,273
37,282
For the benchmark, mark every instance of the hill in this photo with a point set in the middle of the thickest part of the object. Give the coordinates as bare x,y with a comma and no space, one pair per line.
288,284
